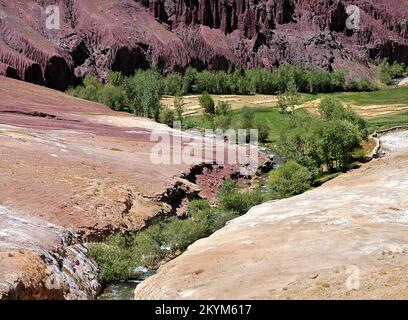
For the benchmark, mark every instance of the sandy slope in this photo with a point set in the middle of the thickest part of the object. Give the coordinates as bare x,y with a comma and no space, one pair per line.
307,246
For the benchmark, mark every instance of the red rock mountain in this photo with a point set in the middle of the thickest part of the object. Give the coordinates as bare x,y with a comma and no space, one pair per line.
98,35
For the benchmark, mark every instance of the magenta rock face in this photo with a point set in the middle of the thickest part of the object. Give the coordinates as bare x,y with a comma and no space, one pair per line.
96,36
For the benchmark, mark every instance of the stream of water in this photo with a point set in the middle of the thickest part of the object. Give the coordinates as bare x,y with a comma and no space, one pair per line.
125,290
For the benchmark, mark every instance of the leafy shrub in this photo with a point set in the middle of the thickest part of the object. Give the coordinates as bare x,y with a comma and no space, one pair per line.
179,107
173,84
231,199
289,180
116,78
289,99
387,71
361,85
210,218
222,122
248,121
114,97
145,251
144,91
113,261
189,80
333,109
167,116
223,108
263,131
179,234
207,103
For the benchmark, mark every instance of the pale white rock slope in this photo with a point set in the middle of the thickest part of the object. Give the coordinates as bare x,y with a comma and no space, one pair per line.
347,239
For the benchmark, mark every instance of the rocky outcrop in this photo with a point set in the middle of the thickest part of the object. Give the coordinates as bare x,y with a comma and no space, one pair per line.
73,171
344,240
40,260
96,36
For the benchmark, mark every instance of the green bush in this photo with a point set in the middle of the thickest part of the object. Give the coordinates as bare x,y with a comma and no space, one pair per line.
189,80
361,85
173,84
333,109
179,107
247,121
116,78
232,199
222,122
144,91
145,251
167,116
289,180
338,140
89,90
288,100
179,234
211,219
223,108
113,261
387,71
207,103
263,131
114,97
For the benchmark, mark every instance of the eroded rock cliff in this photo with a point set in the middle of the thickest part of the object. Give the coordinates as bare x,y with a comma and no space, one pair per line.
98,35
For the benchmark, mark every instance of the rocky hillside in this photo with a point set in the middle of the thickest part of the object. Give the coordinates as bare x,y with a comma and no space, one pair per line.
98,35
345,240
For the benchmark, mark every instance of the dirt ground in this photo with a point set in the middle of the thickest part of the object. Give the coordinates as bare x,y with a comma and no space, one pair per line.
192,106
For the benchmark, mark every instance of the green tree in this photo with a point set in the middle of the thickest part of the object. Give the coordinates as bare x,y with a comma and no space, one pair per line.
189,80
144,91
332,109
113,97
289,99
179,107
289,180
116,78
339,138
173,84
167,116
223,108
207,103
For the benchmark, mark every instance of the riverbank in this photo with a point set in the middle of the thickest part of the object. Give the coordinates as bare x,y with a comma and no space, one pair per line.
306,246
77,168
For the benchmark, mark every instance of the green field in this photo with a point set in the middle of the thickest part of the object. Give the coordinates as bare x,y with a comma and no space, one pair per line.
270,116
394,120
390,96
